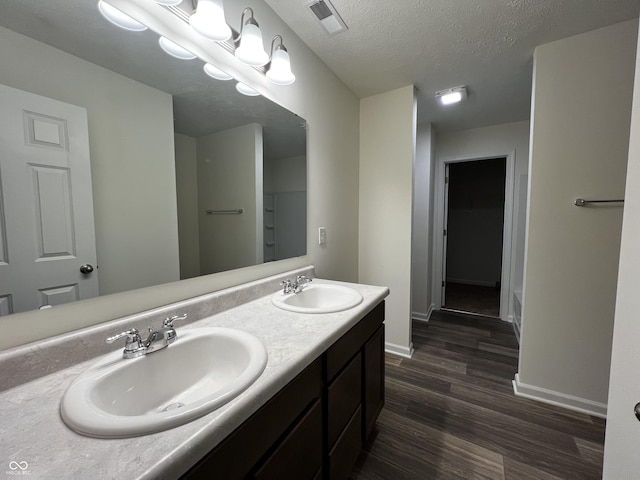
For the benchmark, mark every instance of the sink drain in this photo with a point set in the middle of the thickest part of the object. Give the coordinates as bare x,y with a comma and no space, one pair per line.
173,406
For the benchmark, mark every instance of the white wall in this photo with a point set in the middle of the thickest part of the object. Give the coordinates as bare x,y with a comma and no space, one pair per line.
621,459
579,148
387,151
422,239
229,167
332,114
187,200
491,142
130,135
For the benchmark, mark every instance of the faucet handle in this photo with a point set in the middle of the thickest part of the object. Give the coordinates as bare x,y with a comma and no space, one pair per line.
132,336
303,278
288,287
168,322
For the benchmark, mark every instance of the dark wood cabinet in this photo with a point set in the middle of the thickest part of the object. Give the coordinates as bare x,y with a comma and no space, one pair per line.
316,425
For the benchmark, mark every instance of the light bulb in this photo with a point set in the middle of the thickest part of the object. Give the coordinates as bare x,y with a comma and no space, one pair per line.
169,3
208,20
280,69
175,50
251,50
119,18
246,90
216,73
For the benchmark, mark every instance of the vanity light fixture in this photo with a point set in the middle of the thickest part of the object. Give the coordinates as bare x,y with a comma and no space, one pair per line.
250,48
119,18
215,72
279,70
175,50
246,90
452,95
208,20
169,3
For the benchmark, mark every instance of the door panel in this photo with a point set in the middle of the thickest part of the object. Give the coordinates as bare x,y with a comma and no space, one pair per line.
46,203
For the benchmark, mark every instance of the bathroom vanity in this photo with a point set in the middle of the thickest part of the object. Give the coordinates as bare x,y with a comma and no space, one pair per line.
306,416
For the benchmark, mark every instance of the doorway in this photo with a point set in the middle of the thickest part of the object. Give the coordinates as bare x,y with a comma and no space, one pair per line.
472,262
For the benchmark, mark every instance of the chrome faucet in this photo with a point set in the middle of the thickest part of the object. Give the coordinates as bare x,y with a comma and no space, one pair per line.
295,287
301,281
157,339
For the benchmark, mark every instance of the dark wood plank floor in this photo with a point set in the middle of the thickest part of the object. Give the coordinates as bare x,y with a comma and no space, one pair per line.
451,413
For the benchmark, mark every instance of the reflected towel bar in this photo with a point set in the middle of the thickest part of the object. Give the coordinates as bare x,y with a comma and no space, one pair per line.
581,202
237,211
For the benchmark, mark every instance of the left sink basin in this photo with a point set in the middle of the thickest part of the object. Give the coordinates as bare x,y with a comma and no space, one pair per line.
204,369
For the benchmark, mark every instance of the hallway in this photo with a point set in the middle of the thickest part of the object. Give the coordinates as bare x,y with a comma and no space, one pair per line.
451,413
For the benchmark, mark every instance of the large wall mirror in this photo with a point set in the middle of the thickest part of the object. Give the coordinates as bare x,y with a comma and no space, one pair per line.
188,177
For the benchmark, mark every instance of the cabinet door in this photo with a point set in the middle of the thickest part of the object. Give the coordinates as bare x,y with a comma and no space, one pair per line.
299,456
373,377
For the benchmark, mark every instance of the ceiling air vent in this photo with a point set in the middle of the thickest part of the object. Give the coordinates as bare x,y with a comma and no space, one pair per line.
328,16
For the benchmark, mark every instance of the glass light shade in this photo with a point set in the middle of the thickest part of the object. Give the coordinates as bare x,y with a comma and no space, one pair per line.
216,73
280,70
251,49
169,3
449,98
175,50
246,90
208,20
119,18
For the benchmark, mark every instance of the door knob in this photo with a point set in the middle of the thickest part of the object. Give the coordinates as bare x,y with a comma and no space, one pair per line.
87,268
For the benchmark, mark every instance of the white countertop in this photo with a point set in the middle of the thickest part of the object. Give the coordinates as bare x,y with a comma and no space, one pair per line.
31,430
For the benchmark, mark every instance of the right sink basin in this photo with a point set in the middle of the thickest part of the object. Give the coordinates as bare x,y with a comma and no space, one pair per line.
318,298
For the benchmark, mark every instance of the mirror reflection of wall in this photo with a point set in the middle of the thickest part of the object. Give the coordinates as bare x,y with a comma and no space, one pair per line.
150,221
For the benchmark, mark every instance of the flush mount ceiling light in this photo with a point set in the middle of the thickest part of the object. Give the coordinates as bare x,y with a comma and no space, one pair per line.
120,18
250,48
279,70
215,72
175,50
246,90
451,95
208,20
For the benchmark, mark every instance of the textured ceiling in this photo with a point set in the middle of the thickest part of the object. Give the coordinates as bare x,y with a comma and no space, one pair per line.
435,44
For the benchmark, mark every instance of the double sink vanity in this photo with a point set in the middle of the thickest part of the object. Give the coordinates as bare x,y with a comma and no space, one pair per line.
279,378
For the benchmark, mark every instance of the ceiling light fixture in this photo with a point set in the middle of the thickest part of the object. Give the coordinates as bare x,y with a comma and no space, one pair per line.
250,48
215,72
452,95
279,70
169,3
119,18
175,50
208,20
246,90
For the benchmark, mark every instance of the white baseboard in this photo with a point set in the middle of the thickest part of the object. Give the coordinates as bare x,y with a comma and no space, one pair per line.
559,399
406,352
423,317
479,283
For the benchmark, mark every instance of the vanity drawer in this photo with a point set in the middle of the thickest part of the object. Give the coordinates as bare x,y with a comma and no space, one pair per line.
299,455
343,397
346,450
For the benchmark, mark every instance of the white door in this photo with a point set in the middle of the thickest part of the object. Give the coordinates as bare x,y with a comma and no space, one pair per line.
46,203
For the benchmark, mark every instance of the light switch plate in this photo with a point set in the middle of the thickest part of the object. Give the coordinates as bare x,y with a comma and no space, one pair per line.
322,236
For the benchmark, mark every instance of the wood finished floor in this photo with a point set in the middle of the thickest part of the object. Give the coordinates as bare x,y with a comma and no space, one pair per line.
451,413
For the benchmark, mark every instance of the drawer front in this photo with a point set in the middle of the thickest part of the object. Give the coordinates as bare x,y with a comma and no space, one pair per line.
346,450
299,455
344,396
351,342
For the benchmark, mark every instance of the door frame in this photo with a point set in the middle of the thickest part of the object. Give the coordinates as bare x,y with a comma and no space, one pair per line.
507,233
